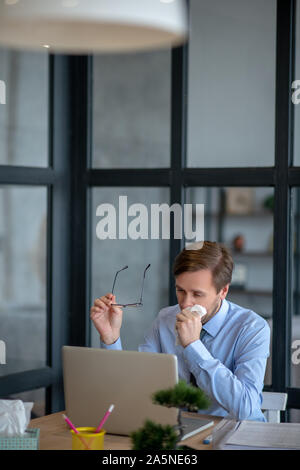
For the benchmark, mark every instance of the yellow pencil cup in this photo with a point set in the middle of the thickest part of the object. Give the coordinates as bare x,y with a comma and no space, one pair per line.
87,439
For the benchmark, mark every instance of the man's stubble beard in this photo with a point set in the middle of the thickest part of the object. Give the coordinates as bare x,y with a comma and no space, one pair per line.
216,307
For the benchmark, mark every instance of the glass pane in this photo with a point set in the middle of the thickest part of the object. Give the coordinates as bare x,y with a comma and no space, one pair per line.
231,83
23,212
37,397
131,110
296,90
294,416
23,108
110,255
295,346
242,219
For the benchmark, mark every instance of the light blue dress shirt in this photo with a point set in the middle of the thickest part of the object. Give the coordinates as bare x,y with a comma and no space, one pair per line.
228,363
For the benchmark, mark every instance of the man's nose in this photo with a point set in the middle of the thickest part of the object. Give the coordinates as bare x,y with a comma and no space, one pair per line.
188,301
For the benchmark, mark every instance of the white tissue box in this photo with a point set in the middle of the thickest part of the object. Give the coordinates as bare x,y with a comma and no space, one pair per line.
14,431
29,441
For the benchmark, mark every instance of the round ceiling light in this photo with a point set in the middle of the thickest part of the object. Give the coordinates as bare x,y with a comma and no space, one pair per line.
87,26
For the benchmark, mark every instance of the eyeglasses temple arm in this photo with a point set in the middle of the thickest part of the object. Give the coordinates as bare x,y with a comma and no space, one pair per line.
125,267
141,297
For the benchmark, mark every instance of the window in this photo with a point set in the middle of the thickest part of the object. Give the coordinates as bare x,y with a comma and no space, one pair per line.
295,336
296,90
24,112
110,255
34,225
131,110
131,122
242,219
231,106
23,277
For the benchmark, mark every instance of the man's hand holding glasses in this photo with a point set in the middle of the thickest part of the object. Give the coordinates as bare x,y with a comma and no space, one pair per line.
107,318
107,314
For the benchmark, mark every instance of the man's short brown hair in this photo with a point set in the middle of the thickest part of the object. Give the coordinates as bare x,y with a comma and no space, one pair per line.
213,256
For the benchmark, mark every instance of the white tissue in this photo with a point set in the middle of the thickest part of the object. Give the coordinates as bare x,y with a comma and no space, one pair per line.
14,417
195,308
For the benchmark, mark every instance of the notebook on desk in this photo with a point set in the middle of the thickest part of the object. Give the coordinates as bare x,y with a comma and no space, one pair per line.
96,378
256,435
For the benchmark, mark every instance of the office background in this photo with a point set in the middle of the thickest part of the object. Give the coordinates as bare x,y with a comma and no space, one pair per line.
211,122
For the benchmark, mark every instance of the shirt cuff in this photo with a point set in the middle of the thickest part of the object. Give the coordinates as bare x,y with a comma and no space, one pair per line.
117,345
196,354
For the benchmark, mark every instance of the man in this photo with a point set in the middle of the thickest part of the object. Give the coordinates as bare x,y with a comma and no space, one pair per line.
229,361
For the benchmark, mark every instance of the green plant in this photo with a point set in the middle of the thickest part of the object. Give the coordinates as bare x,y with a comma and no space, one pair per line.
269,203
157,437
154,437
182,396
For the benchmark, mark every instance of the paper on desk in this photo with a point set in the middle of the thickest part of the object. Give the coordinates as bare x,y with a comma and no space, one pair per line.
222,431
265,435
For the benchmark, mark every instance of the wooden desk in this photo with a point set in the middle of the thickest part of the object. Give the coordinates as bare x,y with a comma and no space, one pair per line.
55,435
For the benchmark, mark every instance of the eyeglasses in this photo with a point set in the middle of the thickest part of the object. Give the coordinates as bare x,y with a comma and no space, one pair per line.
136,304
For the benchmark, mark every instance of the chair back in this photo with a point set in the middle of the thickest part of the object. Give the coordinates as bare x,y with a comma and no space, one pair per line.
273,403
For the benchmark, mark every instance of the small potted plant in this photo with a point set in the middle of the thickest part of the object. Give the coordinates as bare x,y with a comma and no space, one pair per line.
268,203
153,436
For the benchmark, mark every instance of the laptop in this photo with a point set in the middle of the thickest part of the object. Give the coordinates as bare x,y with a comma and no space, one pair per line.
96,378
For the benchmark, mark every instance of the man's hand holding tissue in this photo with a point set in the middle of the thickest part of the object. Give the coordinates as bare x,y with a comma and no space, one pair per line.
188,326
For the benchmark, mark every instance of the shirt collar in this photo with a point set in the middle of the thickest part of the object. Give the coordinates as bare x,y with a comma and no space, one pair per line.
213,325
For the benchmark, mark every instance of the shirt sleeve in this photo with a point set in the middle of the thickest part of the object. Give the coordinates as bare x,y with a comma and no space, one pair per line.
114,346
237,391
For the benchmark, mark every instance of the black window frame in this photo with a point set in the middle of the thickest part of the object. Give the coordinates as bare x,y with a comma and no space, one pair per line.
56,179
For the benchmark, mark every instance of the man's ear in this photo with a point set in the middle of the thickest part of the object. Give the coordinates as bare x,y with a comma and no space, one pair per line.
224,291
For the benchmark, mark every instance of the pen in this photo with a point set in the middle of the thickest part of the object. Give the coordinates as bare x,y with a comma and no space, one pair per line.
76,431
104,418
207,440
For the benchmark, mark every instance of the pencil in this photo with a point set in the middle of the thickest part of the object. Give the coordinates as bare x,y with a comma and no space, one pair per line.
67,420
104,418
